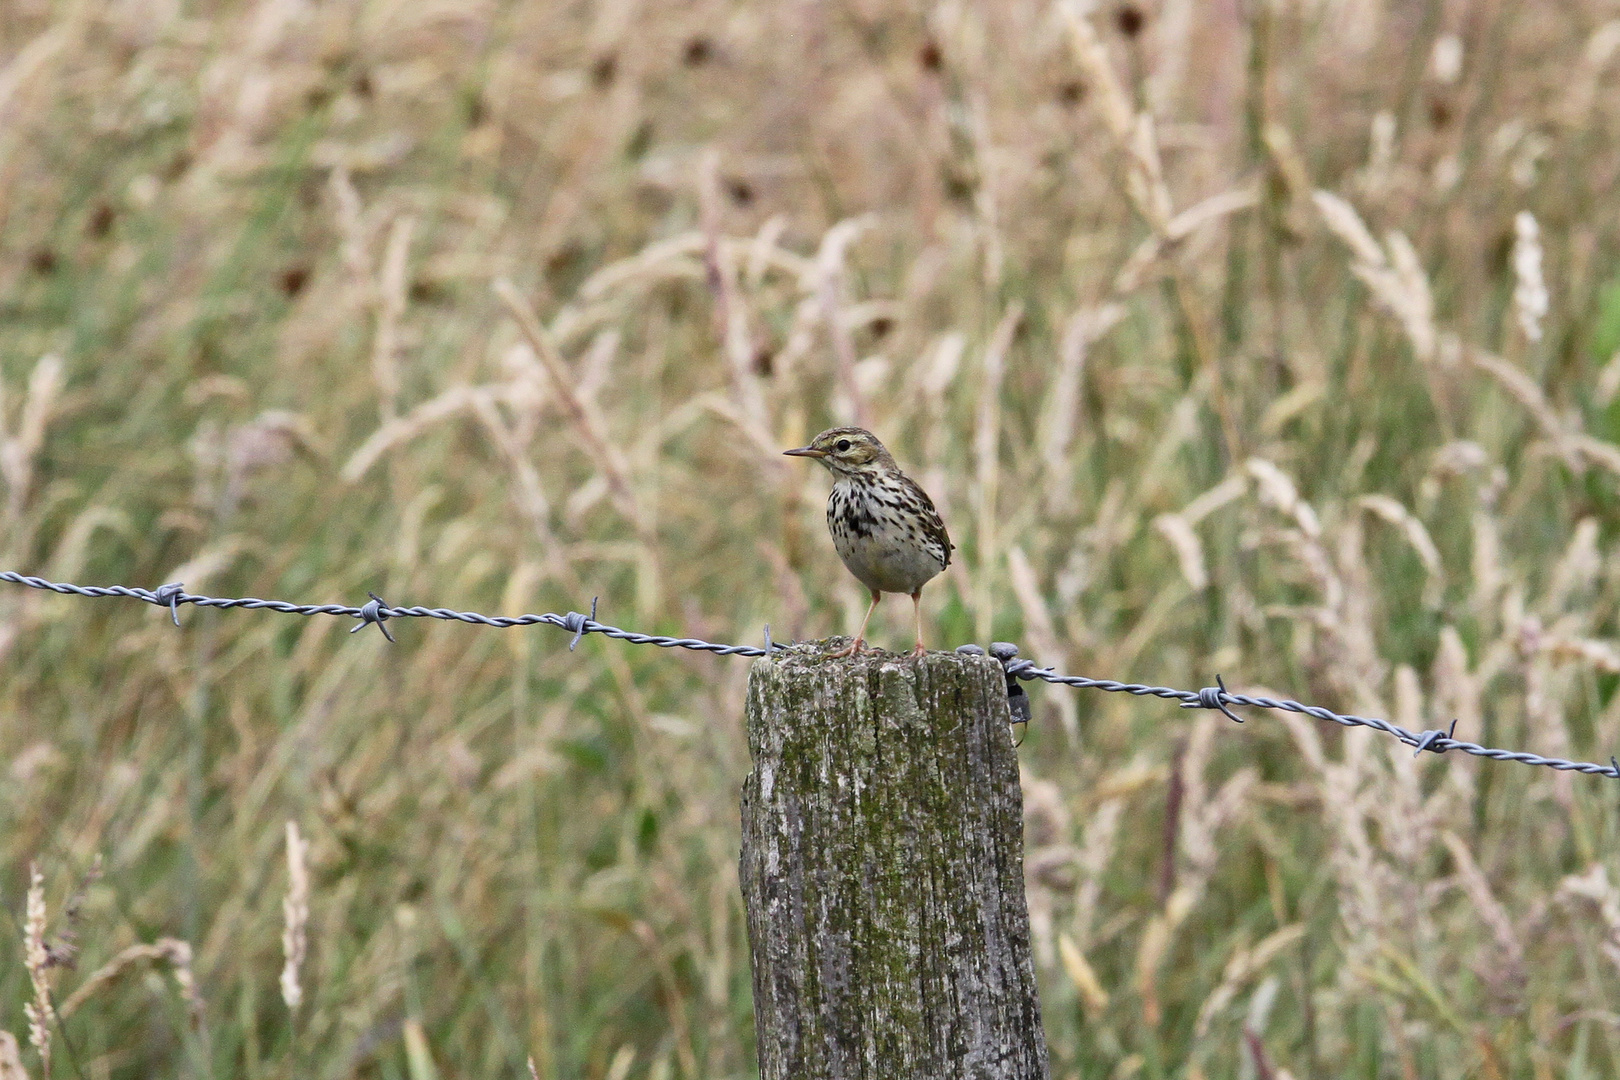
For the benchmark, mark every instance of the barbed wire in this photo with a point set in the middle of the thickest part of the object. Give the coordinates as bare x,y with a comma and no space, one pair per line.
1217,697
377,612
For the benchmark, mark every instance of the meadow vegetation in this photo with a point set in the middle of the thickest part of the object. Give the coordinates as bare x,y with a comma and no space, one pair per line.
1278,339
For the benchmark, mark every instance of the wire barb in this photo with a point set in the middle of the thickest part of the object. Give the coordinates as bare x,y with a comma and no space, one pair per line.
1214,697
169,596
1026,670
1016,668
580,624
374,612
1436,740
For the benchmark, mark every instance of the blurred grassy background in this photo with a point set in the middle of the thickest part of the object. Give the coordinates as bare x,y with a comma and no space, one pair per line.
1184,412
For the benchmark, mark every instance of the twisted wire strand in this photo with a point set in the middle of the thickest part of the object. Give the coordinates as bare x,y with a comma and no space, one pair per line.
172,596
1213,697
1216,697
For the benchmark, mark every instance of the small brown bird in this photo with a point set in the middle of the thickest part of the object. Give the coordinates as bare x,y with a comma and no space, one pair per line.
883,525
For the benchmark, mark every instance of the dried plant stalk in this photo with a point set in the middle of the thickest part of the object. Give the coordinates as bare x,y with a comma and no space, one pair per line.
171,951
987,449
19,450
37,959
295,913
588,423
11,1066
829,294
1530,299
730,313
391,300
1083,329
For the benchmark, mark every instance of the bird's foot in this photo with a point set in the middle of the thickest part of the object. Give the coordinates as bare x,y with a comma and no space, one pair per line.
851,649
918,650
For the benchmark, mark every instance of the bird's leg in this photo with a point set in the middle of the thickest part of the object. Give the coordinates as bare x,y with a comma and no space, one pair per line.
916,606
860,638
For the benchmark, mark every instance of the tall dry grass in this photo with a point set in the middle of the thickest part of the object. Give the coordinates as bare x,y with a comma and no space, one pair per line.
1276,340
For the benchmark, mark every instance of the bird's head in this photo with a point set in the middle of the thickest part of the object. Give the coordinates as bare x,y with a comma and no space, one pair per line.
847,451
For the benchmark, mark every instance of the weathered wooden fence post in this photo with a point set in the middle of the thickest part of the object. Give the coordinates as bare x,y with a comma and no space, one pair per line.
883,871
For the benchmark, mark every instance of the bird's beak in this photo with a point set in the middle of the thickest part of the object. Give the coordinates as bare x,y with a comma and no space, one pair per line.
806,451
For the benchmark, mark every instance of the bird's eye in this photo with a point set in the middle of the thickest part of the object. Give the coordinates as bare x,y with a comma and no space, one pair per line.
843,444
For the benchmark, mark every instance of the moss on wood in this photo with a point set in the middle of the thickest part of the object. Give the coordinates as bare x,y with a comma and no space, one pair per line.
882,870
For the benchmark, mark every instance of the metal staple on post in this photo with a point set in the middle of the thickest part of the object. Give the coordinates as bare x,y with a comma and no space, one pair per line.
1217,697
1017,700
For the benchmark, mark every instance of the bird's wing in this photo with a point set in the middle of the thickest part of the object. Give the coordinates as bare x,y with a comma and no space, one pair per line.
933,524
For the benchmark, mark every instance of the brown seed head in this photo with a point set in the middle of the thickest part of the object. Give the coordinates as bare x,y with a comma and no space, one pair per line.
1129,19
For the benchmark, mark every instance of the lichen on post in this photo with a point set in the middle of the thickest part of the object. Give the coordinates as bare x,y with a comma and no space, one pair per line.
882,870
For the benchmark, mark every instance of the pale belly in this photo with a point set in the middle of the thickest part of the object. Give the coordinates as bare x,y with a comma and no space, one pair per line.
885,559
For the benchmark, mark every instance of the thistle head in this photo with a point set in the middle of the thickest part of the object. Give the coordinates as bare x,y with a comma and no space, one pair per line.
847,451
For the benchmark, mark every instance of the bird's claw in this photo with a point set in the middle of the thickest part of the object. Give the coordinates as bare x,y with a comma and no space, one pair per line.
851,649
